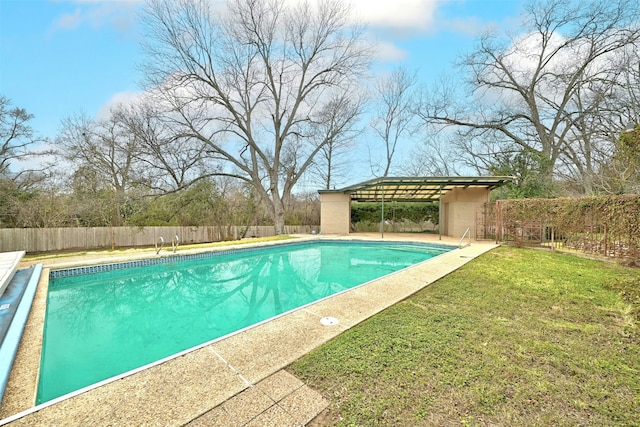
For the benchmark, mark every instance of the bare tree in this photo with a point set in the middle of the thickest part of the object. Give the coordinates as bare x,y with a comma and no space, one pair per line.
252,84
433,156
335,134
16,134
169,160
621,173
618,172
103,154
394,115
539,91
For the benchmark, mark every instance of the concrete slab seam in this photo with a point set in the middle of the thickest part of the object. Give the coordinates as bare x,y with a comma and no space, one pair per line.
235,371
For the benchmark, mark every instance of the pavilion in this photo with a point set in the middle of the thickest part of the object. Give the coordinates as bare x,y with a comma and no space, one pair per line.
458,197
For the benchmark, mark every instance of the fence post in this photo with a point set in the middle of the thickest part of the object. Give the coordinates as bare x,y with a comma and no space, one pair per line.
499,230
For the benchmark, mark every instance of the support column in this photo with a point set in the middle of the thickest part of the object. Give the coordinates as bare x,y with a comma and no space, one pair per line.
335,213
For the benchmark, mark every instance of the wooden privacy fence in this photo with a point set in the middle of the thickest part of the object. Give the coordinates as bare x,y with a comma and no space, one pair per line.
66,238
607,226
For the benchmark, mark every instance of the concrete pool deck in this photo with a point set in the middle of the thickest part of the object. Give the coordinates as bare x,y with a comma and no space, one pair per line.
240,380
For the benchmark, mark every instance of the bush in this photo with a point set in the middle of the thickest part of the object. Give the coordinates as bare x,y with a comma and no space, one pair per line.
416,212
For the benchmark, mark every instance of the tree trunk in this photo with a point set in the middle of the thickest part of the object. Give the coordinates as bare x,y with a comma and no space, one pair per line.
278,216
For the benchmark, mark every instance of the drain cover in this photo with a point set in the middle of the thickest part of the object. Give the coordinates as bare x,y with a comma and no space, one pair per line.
329,321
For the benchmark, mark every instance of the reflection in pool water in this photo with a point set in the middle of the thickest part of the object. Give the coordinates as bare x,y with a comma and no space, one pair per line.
104,324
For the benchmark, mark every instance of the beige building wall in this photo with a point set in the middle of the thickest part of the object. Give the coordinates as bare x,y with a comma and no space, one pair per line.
335,213
459,209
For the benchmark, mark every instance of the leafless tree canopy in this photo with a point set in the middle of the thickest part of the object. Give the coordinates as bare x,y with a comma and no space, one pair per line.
253,83
394,116
338,122
16,135
103,158
552,90
168,160
103,146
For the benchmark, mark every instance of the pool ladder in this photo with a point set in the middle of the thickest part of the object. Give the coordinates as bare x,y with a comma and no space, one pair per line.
174,244
467,232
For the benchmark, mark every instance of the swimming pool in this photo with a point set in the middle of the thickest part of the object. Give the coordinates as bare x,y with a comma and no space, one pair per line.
103,321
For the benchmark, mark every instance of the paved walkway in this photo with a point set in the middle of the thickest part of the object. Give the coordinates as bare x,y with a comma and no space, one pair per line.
240,380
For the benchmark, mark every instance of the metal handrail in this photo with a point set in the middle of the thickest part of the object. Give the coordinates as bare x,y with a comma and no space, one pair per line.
174,243
467,231
161,240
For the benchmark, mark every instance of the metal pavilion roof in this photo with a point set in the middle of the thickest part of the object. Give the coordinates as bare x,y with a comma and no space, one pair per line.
416,189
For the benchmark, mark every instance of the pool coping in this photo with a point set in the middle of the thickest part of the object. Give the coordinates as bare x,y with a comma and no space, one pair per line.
23,290
232,381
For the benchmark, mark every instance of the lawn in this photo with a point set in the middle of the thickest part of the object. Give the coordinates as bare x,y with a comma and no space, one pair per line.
516,337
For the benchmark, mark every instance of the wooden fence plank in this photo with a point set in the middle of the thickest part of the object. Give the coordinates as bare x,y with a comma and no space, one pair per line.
61,239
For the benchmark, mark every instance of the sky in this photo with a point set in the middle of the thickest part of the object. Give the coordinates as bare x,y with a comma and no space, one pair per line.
61,58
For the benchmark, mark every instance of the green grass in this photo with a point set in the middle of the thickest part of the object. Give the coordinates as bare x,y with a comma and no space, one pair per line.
516,337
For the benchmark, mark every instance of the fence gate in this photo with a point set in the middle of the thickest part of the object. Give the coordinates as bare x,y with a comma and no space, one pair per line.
486,222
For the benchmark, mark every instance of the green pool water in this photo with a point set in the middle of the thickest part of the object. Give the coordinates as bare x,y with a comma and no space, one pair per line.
104,324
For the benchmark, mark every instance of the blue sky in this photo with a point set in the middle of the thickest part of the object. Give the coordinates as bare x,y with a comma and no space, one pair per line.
54,68
59,58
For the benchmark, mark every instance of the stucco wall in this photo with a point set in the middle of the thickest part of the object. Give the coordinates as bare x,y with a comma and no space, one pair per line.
459,208
462,206
335,213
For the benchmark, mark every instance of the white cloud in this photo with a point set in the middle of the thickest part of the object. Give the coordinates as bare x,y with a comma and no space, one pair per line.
121,98
402,15
391,21
397,15
121,14
471,26
69,21
387,51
